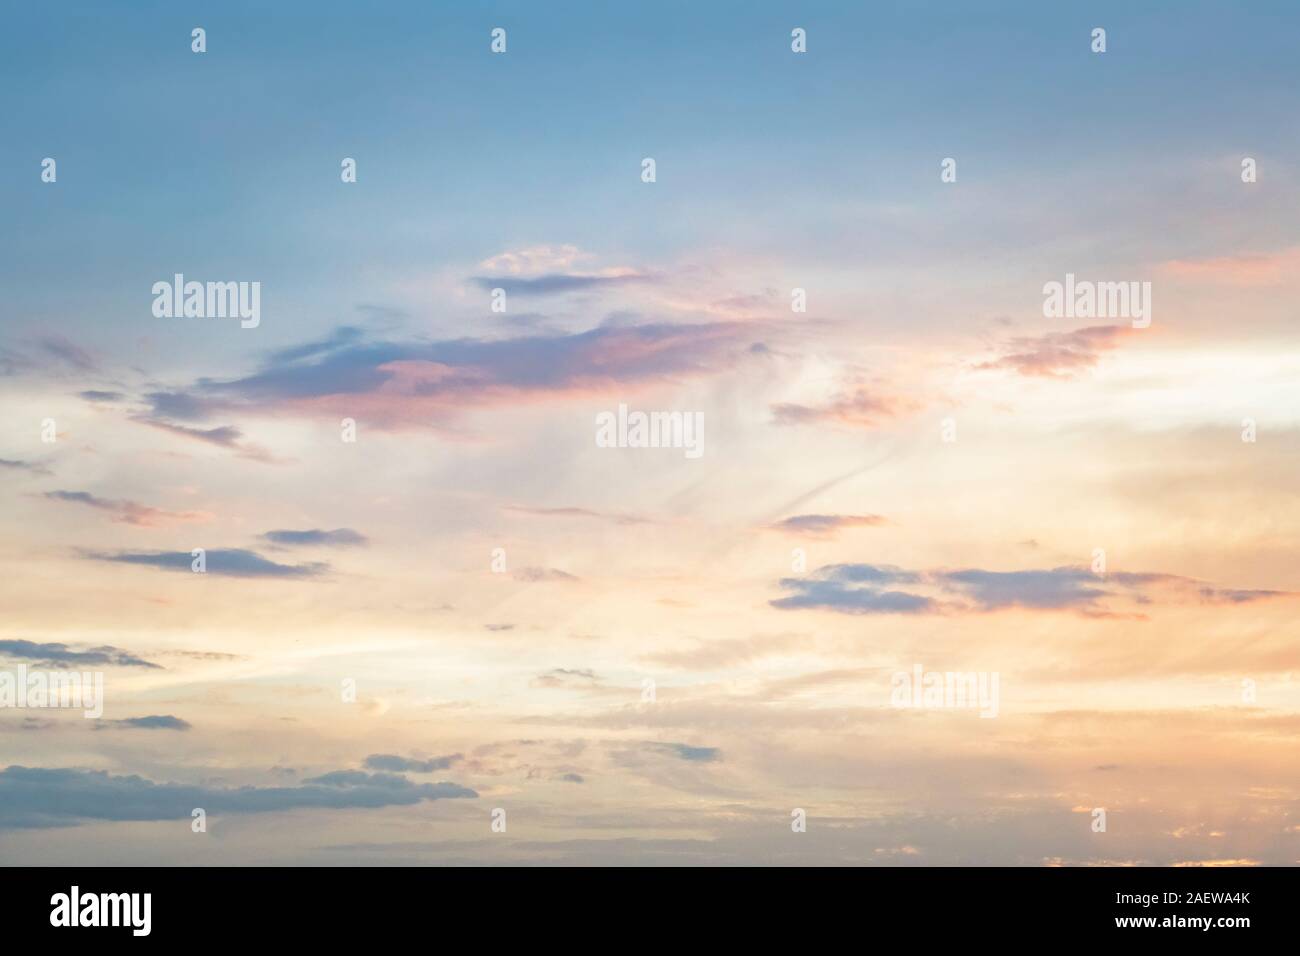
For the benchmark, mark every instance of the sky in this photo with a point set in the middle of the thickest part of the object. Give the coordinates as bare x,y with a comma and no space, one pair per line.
442,622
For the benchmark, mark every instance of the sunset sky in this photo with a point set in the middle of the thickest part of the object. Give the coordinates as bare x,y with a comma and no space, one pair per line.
829,536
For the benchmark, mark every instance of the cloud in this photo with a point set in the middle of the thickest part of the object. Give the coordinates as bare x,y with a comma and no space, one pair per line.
128,512
60,655
557,282
573,778
152,722
95,395
535,260
864,589
226,562
624,519
394,763
28,466
185,406
1242,270
824,526
859,409
1198,590
338,538
535,575
342,336
1054,589
685,752
66,352
40,797
419,383
719,654
548,269
565,677
1059,354
226,436
855,589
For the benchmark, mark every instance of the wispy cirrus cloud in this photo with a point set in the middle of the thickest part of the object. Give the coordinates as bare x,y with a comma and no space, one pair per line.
128,512
223,562
66,352
48,353
184,406
616,518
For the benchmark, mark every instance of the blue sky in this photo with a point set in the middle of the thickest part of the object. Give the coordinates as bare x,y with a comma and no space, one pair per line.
222,161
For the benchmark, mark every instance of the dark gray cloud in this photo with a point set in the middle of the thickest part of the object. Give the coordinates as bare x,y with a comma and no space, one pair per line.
152,722
867,589
84,497
61,655
128,512
686,752
175,405
95,395
224,436
338,538
396,764
457,372
28,466
855,589
1052,589
556,282
38,797
342,336
224,562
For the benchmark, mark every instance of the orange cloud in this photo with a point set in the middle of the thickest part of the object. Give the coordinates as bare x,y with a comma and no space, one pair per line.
1245,270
